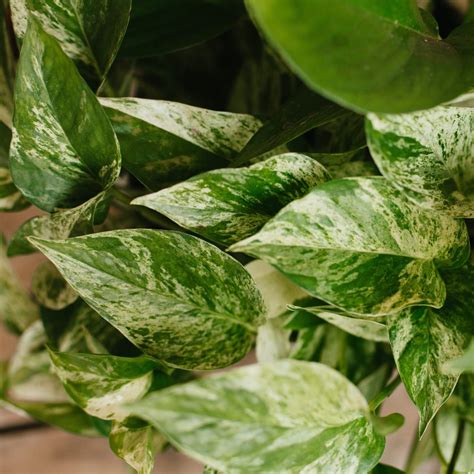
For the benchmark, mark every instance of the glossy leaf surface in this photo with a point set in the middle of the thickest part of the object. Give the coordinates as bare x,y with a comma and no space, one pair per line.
174,296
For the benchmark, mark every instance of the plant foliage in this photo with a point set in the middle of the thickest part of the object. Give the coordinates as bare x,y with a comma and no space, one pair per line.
213,177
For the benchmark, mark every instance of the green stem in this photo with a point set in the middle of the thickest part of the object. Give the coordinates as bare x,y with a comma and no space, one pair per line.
457,447
385,393
121,196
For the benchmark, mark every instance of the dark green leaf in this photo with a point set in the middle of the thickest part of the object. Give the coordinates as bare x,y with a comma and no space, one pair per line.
228,205
159,26
7,70
62,154
102,384
176,297
361,245
375,56
60,224
287,416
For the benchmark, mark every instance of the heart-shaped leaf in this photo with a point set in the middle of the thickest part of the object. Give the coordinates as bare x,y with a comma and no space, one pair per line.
101,384
429,155
228,205
163,142
90,32
174,296
61,154
392,61
361,245
424,339
287,416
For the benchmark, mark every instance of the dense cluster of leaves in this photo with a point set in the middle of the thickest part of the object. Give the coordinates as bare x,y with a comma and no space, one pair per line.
322,215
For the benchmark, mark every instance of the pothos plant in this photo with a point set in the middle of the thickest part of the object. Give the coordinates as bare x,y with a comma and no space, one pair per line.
320,215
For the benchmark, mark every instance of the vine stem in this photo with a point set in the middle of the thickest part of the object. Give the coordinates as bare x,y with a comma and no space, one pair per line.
457,447
385,393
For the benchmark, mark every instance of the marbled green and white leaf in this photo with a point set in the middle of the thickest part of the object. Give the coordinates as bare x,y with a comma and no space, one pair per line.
273,341
50,289
17,311
285,417
7,70
64,150
424,339
365,328
361,245
228,205
164,142
176,297
60,224
135,445
429,155
89,31
101,384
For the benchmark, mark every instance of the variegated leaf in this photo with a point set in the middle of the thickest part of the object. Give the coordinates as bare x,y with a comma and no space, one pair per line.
429,155
273,341
60,224
163,142
228,205
287,416
361,245
101,384
365,328
17,311
10,198
63,150
174,296
424,339
50,289
136,445
90,31
7,70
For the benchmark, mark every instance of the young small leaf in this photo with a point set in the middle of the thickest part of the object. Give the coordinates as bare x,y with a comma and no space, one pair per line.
174,296
287,416
429,155
163,142
424,339
90,32
228,205
63,150
101,384
361,245
391,62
